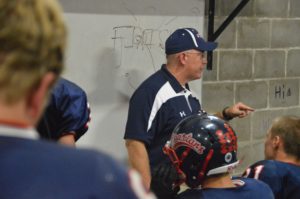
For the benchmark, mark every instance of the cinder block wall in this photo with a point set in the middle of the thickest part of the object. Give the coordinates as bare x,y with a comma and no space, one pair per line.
258,63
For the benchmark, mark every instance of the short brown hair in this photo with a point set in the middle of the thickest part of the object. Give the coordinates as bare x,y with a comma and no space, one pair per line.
288,129
32,38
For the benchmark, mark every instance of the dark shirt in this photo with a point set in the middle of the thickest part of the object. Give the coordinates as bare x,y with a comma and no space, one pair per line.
283,178
36,169
245,189
67,111
155,108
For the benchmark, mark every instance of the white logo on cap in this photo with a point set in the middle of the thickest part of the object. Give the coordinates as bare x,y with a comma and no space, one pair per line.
193,37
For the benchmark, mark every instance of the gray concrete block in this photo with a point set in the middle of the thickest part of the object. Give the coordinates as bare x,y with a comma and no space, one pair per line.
268,63
227,39
211,75
215,96
293,63
294,8
245,155
241,127
261,121
227,6
258,151
196,88
271,8
253,33
284,93
285,33
292,111
235,65
249,153
254,94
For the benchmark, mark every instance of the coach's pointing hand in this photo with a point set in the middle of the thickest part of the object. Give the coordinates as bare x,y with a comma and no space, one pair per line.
237,110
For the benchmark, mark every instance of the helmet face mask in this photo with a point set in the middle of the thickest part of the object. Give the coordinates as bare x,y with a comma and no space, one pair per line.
202,145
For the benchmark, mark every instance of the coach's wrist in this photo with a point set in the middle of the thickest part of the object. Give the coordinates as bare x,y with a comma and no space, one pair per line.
225,114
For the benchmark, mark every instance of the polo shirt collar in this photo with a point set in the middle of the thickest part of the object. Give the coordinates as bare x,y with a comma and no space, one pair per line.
11,131
173,81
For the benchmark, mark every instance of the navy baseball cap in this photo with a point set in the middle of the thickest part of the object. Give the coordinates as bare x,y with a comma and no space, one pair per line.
185,39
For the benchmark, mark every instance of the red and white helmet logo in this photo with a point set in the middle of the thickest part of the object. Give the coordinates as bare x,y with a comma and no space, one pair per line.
187,140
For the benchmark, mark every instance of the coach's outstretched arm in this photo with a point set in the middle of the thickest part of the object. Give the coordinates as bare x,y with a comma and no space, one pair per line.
237,110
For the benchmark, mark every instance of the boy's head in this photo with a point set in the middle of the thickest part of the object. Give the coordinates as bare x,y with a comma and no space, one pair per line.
201,146
32,37
284,134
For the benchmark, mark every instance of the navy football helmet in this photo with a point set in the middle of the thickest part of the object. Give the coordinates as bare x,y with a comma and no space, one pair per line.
202,145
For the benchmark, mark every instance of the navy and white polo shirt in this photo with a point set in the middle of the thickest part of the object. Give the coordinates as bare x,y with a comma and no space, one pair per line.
155,108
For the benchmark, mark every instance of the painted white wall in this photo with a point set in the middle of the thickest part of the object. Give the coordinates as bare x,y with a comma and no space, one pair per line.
113,46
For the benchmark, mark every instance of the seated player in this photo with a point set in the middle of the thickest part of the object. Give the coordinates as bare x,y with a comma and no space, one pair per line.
203,150
33,37
281,169
67,114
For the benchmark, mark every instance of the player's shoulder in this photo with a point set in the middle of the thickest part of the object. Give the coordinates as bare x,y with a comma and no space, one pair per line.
90,161
250,183
272,167
62,151
112,174
253,186
263,169
65,94
286,165
96,168
269,164
244,188
56,155
67,88
62,82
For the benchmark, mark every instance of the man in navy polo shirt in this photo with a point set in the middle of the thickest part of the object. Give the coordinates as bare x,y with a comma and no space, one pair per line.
164,99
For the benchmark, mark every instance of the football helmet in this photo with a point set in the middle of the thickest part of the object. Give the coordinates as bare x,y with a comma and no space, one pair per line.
202,145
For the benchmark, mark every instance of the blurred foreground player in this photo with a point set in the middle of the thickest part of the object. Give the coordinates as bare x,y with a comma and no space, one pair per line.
203,150
281,169
67,114
32,37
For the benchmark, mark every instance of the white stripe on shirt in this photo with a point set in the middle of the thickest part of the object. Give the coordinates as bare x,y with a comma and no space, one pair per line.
165,93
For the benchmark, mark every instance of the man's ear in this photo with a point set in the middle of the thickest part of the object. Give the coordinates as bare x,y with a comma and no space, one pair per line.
38,97
276,141
182,58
